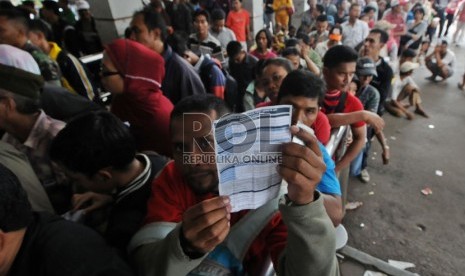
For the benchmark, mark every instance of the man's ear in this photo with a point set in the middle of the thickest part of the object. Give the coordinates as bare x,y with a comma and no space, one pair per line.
156,34
104,174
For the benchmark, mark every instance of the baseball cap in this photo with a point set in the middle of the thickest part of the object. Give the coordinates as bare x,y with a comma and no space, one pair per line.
82,5
408,66
366,67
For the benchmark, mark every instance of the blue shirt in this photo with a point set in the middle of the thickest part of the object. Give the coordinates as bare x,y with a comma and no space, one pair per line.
329,182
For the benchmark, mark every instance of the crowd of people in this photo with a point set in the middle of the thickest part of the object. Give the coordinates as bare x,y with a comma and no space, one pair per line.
94,189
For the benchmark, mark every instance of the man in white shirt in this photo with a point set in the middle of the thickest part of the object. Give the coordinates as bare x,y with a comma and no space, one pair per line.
219,30
405,88
441,62
354,30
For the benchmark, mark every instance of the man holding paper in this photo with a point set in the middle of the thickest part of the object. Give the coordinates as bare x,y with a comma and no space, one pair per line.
188,222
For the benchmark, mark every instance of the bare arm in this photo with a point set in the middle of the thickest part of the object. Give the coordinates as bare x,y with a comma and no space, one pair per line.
304,51
342,119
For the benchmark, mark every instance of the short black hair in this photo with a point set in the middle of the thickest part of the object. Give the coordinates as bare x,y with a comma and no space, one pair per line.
94,141
290,51
367,9
177,43
302,83
17,16
269,37
339,54
200,13
233,48
353,6
37,25
153,20
322,18
409,53
320,8
218,14
419,9
15,209
279,61
339,27
291,42
51,6
199,103
304,37
383,35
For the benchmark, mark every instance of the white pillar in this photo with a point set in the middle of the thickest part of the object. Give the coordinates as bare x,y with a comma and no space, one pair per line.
299,6
255,8
112,17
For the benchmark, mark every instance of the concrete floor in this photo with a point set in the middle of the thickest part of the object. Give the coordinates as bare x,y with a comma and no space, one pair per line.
401,223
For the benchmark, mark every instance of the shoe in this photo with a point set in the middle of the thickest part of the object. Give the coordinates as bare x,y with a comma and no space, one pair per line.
421,112
431,78
461,86
364,176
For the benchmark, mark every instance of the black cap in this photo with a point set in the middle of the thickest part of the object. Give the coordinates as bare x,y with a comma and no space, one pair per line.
366,67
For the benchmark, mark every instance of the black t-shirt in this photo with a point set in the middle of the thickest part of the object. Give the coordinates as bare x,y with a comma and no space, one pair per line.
53,246
382,82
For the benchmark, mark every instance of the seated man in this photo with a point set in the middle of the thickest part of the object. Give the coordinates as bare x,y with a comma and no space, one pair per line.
43,244
440,62
304,91
188,221
404,87
107,163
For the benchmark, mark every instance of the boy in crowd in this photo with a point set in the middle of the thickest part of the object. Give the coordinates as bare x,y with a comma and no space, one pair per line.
108,166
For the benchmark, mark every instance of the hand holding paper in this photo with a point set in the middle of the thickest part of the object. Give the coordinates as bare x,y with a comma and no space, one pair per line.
302,167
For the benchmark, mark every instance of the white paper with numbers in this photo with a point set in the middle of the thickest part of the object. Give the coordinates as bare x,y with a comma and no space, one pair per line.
247,148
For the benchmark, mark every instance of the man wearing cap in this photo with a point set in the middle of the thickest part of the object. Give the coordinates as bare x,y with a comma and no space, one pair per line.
14,29
397,17
334,38
29,129
404,87
42,244
369,96
354,31
440,62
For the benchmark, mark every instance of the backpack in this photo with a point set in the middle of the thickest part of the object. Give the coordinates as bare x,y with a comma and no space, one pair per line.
230,89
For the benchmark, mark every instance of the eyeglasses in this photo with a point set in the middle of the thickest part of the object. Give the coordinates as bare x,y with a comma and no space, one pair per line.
104,72
274,78
370,40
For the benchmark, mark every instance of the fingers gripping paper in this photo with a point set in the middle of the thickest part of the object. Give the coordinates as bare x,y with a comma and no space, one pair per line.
247,148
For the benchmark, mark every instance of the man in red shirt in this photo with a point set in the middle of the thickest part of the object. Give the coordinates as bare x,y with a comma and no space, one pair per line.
188,222
239,22
341,107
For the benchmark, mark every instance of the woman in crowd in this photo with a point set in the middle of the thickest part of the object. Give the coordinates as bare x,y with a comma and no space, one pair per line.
137,97
417,29
263,40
